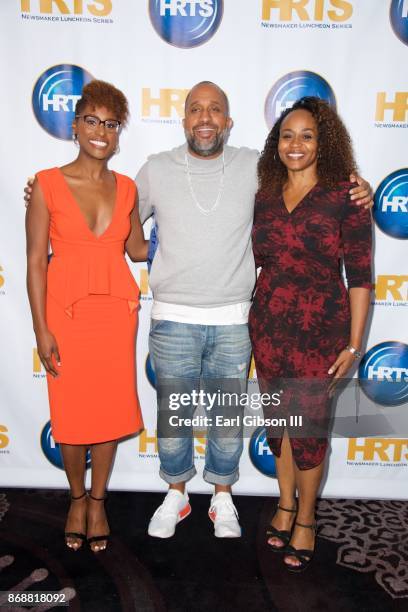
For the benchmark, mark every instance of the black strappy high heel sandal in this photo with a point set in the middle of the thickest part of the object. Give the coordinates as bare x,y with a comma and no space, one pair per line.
75,534
304,555
99,538
282,534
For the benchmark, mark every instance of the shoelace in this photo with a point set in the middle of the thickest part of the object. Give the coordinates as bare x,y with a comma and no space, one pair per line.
224,509
167,508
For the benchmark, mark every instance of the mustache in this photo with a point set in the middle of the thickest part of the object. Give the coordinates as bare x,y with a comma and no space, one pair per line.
205,125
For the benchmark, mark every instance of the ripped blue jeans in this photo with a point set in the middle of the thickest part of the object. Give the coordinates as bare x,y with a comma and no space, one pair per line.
197,356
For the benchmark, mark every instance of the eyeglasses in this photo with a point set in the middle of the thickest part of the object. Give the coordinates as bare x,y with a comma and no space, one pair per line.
92,122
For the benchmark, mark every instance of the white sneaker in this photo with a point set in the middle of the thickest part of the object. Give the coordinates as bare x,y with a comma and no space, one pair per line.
174,509
224,515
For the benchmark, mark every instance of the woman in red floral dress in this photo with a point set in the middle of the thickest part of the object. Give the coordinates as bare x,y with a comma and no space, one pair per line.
306,327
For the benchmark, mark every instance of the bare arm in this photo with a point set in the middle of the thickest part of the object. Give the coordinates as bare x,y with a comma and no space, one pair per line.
37,228
359,304
136,246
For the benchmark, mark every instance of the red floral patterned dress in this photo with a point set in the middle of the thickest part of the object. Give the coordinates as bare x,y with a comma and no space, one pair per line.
300,316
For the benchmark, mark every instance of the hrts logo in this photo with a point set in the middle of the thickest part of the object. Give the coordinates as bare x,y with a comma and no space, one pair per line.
186,23
383,373
394,286
306,10
260,453
55,95
168,102
396,106
52,451
67,7
4,438
374,449
391,204
293,86
399,19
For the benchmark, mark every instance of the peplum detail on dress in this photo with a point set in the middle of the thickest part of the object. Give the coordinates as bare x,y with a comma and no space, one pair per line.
90,270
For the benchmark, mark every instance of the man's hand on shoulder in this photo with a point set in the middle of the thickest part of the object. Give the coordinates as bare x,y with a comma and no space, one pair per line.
362,193
28,190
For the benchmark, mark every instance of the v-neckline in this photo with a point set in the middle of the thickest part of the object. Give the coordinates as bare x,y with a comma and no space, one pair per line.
307,194
78,208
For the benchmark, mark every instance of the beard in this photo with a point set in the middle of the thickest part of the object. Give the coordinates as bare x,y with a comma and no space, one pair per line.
206,149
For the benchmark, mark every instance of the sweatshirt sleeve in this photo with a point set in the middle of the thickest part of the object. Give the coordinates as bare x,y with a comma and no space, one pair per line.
258,234
143,188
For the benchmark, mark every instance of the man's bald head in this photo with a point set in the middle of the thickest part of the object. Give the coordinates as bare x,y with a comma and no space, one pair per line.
221,92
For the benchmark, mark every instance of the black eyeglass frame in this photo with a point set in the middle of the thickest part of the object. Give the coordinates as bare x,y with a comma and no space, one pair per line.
101,122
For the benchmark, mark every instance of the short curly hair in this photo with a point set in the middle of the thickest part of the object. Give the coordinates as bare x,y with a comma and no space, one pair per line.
335,160
100,93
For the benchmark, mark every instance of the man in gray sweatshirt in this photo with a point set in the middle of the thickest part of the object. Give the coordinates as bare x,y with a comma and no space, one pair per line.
202,277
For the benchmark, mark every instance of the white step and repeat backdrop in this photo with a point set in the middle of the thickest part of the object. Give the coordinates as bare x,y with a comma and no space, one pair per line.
265,54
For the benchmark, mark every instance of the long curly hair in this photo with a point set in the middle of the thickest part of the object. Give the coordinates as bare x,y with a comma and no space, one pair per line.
335,160
100,93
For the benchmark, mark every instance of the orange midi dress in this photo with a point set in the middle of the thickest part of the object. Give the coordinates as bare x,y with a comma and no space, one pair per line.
91,309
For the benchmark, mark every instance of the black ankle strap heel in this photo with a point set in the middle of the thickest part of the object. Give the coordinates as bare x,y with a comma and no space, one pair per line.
304,555
281,534
99,538
79,496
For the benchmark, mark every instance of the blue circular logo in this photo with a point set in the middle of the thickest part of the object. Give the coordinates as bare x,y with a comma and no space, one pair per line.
186,24
260,453
399,19
52,449
151,376
391,204
290,88
55,95
383,373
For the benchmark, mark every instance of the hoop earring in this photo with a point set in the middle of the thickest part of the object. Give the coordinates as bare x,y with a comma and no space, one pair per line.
117,150
75,139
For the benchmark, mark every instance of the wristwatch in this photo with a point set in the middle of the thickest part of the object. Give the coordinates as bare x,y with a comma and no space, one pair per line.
357,354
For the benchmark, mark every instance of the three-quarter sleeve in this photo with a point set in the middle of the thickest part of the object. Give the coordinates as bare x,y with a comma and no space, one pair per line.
356,235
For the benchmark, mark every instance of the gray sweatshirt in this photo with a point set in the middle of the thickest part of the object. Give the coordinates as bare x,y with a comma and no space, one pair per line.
202,260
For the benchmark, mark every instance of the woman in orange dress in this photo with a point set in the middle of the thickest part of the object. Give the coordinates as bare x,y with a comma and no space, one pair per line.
84,304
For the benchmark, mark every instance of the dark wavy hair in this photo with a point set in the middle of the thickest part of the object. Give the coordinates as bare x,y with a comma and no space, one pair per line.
335,160
100,93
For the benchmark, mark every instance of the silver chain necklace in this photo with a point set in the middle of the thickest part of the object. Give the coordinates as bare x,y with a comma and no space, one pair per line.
206,211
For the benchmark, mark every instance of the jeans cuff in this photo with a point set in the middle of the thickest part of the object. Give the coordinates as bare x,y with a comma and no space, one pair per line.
221,479
174,479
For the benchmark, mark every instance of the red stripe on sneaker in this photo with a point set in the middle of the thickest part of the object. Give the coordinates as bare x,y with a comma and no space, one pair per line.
184,512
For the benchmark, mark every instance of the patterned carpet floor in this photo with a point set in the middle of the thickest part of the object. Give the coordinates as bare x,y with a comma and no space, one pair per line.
361,560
